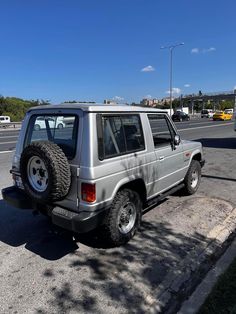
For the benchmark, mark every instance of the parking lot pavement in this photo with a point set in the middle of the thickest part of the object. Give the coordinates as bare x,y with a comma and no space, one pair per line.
44,270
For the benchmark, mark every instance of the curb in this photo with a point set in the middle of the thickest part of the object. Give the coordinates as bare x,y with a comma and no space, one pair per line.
178,285
193,304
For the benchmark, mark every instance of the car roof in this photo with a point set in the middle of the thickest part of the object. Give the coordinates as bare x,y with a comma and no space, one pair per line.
99,107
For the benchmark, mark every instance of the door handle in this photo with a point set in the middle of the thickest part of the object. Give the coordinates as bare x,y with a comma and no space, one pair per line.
161,157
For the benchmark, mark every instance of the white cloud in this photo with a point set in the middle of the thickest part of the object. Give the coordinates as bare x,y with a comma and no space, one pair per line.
186,85
148,96
195,50
204,50
212,49
118,98
175,90
148,68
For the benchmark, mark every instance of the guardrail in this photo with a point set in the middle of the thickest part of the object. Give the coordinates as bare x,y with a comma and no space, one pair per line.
15,125
233,92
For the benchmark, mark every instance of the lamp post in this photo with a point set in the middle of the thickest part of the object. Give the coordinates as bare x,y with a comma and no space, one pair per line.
171,48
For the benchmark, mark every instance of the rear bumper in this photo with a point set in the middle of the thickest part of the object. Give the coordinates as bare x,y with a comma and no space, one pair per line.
77,222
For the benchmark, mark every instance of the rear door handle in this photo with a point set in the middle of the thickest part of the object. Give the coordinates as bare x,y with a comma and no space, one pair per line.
161,157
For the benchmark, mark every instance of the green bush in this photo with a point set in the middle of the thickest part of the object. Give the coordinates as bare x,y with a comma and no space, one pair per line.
17,107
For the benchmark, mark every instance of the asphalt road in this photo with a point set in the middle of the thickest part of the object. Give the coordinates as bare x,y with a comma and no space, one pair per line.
188,130
43,270
8,139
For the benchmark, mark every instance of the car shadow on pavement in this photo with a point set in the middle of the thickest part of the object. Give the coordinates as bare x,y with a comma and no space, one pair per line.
226,143
218,178
128,277
125,277
21,227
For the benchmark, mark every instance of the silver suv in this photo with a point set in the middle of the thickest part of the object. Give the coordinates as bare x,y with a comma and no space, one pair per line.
102,167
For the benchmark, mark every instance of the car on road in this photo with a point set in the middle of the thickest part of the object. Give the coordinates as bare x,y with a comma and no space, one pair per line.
234,116
207,113
4,120
231,110
222,115
54,122
180,116
104,169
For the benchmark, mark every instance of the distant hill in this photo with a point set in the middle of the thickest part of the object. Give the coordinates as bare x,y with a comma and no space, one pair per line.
17,107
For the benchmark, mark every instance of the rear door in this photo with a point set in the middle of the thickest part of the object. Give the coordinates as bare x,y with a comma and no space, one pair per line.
170,162
43,126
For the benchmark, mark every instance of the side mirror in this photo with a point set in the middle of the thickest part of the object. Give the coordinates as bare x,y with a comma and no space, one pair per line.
177,139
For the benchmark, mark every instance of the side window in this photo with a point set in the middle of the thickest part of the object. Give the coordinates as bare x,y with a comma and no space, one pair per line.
120,134
113,136
133,132
162,131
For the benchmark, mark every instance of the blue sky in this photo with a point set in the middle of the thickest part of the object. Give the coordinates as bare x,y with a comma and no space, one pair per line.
96,49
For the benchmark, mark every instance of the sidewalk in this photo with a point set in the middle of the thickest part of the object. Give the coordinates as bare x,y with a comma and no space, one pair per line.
182,280
193,304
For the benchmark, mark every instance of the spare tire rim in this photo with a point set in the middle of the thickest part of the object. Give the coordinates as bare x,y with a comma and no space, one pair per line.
194,179
37,174
126,218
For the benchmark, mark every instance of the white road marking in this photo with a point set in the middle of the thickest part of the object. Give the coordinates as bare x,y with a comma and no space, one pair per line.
7,151
207,126
8,143
9,136
193,123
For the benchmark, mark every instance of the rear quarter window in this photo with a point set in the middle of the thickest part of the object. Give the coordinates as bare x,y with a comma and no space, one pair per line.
119,134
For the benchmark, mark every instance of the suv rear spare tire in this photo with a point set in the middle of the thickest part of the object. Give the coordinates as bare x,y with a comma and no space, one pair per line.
45,172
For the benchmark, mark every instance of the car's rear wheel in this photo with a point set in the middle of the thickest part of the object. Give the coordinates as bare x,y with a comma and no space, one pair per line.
60,126
37,127
123,218
192,178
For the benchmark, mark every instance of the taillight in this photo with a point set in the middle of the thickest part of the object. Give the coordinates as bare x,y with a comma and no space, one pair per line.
88,192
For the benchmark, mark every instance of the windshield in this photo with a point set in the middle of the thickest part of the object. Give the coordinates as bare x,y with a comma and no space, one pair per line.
62,130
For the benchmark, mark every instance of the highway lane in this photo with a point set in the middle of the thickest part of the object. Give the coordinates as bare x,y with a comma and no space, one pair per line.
187,129
8,139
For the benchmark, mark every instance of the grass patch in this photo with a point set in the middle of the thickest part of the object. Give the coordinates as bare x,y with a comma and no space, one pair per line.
222,298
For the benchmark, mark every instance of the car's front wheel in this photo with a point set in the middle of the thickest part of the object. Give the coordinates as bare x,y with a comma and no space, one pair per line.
123,218
192,178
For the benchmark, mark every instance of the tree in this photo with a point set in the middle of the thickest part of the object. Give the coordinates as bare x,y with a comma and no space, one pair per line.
16,108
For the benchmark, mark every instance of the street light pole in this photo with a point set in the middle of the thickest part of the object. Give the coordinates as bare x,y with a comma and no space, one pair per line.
171,48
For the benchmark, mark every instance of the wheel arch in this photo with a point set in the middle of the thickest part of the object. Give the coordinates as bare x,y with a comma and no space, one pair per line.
197,156
136,185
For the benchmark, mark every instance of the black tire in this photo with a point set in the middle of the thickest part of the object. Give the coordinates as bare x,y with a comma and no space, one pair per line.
58,180
194,170
60,126
37,127
111,228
